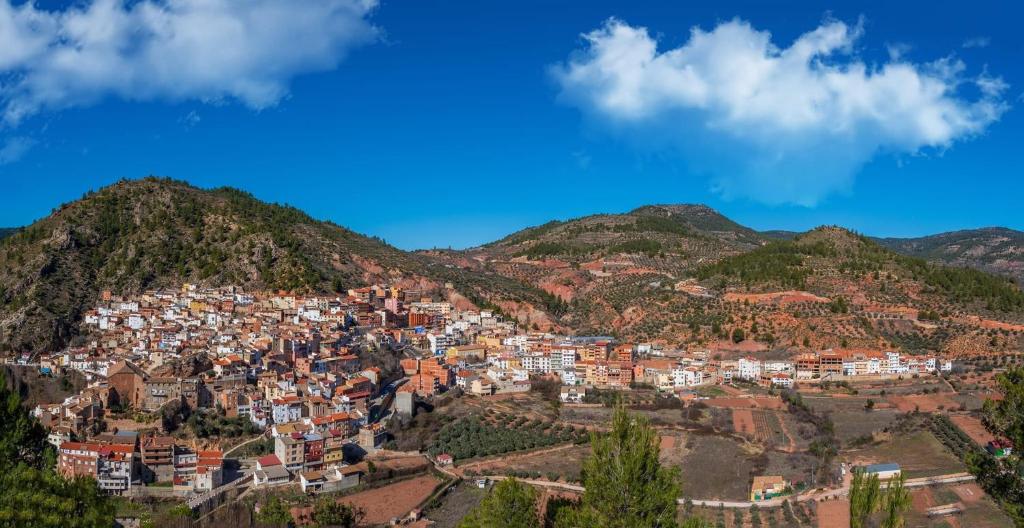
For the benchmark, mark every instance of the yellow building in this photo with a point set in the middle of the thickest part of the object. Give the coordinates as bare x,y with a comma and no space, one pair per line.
767,487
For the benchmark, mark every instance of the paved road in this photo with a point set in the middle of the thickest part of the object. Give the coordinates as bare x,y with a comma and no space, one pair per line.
833,493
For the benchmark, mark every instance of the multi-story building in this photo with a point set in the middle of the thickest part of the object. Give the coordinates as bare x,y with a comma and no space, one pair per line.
291,451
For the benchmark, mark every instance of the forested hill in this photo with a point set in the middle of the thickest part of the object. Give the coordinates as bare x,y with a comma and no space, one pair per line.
7,231
155,232
993,249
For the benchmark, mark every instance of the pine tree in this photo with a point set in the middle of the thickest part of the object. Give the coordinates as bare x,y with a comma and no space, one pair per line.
510,504
33,493
626,486
329,512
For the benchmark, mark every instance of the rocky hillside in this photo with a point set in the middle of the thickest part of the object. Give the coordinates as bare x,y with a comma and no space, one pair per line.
993,249
686,274
150,233
7,231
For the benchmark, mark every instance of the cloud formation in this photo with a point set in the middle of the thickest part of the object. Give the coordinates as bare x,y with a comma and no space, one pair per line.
977,42
778,125
15,148
209,50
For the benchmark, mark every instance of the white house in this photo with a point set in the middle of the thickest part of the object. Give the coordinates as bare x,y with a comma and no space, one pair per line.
748,368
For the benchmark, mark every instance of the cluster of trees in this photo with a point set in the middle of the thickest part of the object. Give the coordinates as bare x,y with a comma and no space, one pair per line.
867,498
472,437
1003,479
549,249
626,487
952,437
328,512
33,493
779,262
968,285
651,248
205,424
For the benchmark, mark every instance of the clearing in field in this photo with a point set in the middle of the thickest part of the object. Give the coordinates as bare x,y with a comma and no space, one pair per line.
743,421
924,402
764,427
395,500
919,454
747,403
834,514
455,504
973,427
716,467
556,463
860,423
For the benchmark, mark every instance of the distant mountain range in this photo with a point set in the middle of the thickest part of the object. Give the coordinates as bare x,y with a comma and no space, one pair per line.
659,272
7,231
993,249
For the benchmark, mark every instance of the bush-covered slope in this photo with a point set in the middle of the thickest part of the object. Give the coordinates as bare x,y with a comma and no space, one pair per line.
993,249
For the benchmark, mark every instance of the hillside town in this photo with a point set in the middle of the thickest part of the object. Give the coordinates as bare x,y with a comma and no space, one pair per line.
300,370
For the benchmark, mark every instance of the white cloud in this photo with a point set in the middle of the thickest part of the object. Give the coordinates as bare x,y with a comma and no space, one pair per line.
977,42
779,125
15,148
191,119
209,50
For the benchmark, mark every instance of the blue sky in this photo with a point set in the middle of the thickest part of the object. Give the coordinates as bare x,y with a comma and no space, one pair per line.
454,123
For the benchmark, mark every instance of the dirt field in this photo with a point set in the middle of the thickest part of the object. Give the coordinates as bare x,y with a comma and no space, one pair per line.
747,403
924,402
743,422
716,467
973,427
764,427
834,514
397,500
979,511
859,423
673,448
563,461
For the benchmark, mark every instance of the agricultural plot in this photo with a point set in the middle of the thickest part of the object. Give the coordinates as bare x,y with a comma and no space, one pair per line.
973,428
559,463
919,454
449,509
395,500
474,436
924,403
717,467
834,513
850,425
764,427
978,510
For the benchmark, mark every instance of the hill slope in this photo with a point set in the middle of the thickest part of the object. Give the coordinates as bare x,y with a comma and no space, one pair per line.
993,249
686,274
151,233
